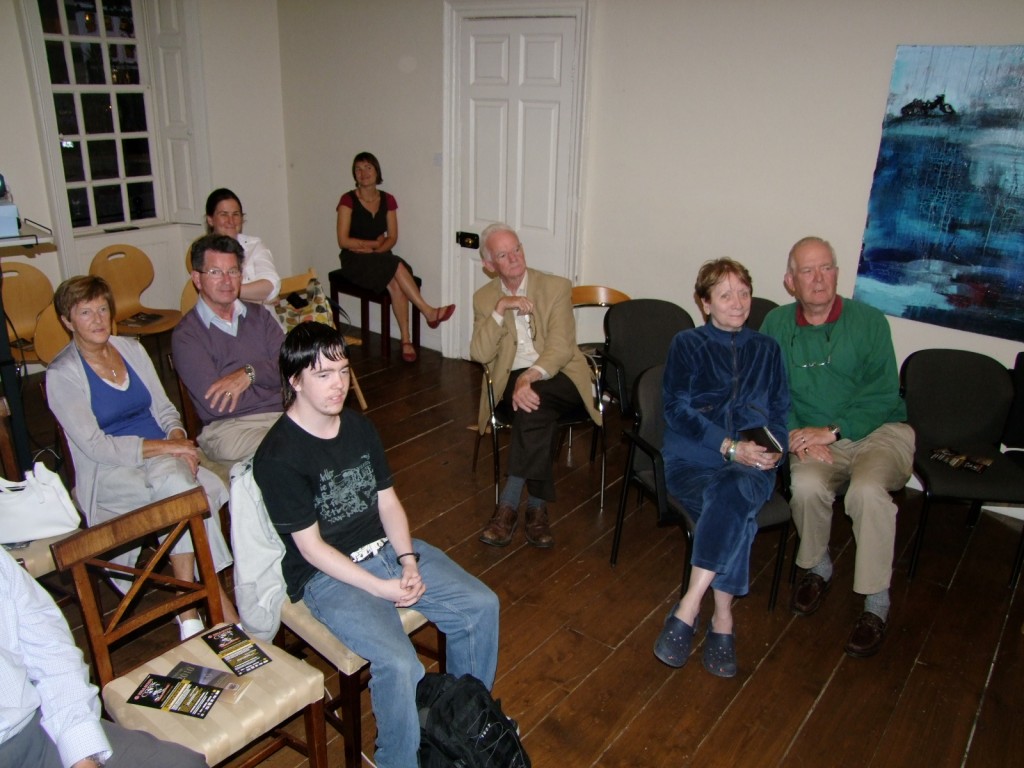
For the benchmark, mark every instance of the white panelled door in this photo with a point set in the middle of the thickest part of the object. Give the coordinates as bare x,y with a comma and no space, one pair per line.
516,148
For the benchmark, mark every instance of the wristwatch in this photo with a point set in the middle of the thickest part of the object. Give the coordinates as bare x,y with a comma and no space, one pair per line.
251,373
834,429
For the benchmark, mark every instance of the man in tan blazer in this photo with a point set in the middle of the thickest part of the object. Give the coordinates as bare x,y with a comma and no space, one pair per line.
524,331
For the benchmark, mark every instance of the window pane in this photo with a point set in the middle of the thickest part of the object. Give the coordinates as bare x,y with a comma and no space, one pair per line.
71,154
124,66
136,157
109,207
81,17
96,111
141,202
50,16
88,61
103,159
67,118
78,203
118,18
131,110
58,64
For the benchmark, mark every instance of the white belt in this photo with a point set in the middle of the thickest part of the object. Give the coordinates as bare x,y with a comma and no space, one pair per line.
368,551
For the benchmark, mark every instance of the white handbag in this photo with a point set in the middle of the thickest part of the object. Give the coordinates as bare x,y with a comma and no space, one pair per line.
37,508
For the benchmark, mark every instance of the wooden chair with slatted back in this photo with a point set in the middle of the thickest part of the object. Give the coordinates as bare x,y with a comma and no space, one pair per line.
26,292
128,271
277,691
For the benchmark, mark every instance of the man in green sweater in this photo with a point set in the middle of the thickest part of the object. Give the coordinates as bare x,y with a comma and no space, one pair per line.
846,430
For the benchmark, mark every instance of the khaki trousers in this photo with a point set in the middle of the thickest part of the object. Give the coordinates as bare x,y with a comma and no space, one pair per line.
873,467
234,439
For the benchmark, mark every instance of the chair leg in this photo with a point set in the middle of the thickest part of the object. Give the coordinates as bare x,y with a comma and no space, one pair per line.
780,559
497,465
349,724
385,326
364,321
357,389
316,736
621,516
919,538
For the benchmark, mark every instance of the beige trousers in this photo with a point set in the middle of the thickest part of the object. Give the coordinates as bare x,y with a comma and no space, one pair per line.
870,469
234,439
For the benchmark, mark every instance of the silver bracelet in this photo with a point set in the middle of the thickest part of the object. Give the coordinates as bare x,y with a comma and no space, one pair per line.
730,455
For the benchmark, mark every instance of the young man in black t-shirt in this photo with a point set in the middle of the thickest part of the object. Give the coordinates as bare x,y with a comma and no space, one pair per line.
348,551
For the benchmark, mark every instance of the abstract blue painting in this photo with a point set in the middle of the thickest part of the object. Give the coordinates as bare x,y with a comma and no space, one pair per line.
944,239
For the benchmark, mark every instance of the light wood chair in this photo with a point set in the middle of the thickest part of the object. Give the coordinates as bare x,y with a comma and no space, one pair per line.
26,292
129,272
50,335
277,692
298,284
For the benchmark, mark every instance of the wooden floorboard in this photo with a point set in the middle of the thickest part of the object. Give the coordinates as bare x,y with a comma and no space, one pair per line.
576,667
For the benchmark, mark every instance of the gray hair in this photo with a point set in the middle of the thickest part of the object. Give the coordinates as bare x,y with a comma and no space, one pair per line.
490,229
806,241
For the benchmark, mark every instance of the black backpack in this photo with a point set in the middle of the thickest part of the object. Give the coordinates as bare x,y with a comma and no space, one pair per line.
462,725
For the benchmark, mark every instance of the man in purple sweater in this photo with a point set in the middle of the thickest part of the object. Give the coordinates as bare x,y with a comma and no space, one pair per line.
225,351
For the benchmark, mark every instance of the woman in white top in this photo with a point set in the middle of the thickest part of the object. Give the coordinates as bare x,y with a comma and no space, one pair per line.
260,281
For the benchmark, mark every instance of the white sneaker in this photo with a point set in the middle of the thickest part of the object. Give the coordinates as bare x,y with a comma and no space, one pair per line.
190,627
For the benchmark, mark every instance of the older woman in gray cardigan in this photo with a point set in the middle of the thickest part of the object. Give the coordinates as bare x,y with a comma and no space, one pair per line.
127,441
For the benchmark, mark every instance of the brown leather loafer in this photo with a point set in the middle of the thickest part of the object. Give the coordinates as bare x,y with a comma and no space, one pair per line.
538,532
502,525
867,636
809,594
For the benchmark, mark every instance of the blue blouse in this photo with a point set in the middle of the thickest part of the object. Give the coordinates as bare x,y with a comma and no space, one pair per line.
122,413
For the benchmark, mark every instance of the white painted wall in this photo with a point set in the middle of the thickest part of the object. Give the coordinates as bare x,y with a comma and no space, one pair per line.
729,128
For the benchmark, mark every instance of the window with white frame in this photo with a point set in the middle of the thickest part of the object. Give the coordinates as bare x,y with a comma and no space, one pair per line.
101,102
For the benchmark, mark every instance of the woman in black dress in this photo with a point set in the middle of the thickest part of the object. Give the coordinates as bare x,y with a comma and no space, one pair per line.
367,231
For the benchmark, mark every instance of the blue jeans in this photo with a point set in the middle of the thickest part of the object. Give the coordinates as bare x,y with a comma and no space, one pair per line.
461,606
724,502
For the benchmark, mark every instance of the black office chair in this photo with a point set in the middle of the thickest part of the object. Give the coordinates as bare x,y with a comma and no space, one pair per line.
960,400
501,419
759,307
638,333
645,468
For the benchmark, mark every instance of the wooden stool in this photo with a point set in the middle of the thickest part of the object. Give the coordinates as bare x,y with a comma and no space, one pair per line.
340,286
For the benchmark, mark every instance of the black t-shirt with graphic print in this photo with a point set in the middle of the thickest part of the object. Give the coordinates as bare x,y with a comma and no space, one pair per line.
305,479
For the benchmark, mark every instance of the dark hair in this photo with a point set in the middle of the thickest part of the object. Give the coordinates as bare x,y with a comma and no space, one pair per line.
366,157
75,290
303,347
216,198
218,243
711,272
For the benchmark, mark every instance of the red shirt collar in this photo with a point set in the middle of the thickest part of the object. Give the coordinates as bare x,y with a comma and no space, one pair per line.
833,315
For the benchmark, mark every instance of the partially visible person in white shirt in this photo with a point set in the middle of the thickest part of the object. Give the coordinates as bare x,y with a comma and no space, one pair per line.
260,281
49,711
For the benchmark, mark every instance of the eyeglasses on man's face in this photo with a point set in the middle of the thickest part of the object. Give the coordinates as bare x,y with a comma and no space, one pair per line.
234,273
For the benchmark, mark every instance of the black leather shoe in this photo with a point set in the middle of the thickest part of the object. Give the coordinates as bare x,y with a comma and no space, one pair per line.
502,525
867,636
809,594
